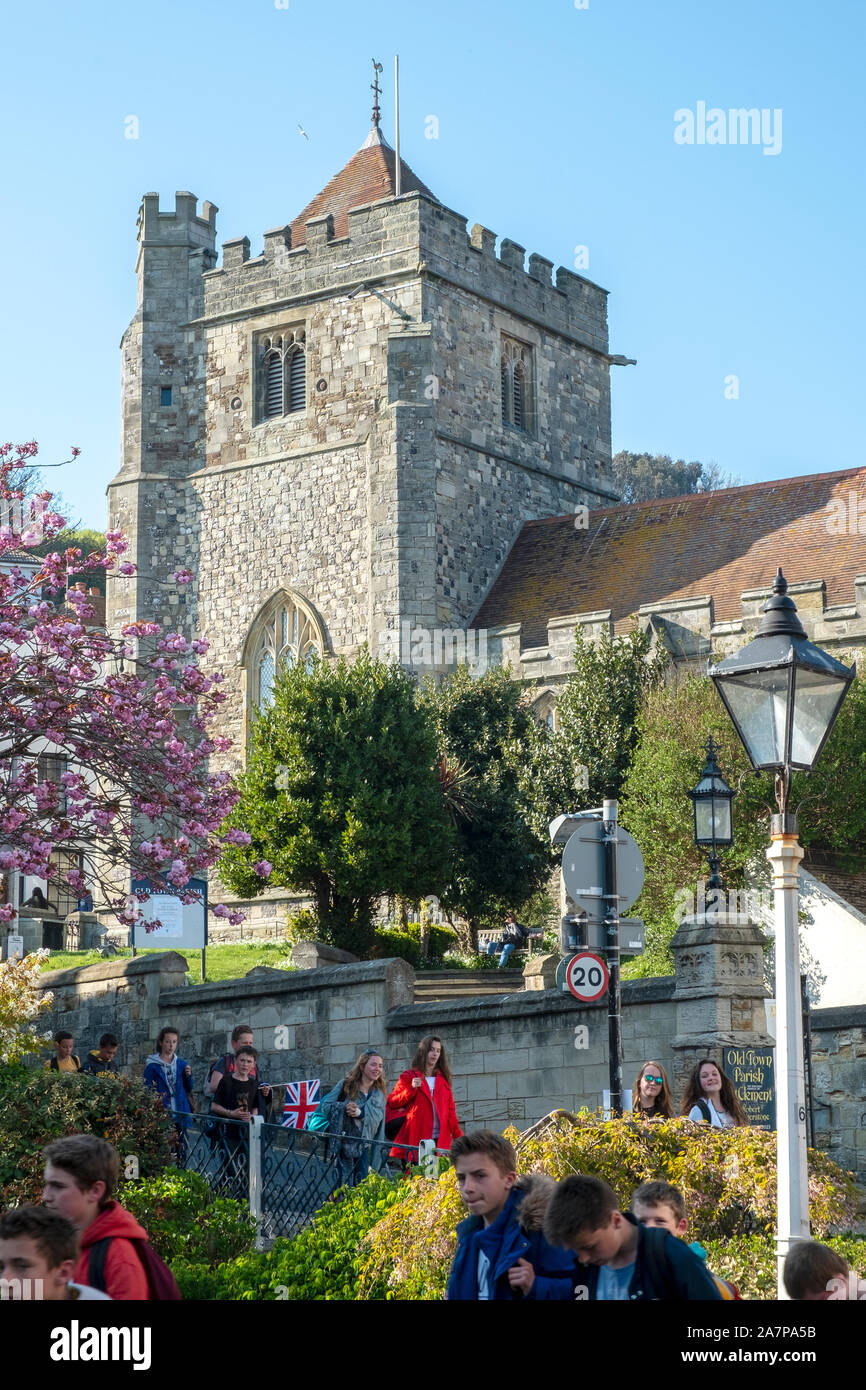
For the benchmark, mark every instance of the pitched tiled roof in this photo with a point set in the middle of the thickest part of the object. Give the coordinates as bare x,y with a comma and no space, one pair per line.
717,544
368,176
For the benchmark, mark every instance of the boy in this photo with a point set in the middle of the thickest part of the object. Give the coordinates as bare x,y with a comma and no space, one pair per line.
815,1273
100,1061
625,1260
242,1036
38,1251
501,1252
64,1058
660,1205
81,1172
237,1098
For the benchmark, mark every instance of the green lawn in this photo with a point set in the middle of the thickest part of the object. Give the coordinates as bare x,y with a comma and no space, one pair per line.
228,962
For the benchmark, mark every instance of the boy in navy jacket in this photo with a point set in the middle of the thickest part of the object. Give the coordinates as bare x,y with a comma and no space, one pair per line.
621,1259
501,1251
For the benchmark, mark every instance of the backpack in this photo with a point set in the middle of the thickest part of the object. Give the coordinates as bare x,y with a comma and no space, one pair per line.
661,1272
161,1283
705,1111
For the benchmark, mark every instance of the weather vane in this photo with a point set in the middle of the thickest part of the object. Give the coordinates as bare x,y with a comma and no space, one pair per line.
376,89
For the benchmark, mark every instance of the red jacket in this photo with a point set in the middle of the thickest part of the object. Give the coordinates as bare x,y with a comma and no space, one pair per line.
419,1120
124,1273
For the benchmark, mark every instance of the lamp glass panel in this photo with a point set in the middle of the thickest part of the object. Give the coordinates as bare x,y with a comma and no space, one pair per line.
816,700
712,820
758,703
721,819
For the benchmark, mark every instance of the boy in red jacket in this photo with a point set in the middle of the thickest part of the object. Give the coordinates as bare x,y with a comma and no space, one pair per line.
81,1172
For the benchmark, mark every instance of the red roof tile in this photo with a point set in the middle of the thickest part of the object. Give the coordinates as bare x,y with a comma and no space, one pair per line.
715,543
368,176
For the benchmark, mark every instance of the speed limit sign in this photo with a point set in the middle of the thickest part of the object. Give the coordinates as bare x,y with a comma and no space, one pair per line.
586,976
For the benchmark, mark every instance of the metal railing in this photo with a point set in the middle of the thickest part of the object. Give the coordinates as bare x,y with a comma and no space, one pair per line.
284,1175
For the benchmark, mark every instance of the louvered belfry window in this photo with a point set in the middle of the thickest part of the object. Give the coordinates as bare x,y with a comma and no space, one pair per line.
273,384
297,379
283,367
516,384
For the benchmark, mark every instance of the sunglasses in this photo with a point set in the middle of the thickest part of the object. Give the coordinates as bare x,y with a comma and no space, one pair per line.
655,1080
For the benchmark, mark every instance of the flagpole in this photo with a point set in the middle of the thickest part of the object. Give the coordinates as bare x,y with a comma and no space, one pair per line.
397,180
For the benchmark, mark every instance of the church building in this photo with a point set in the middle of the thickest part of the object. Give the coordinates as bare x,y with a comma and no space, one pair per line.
381,426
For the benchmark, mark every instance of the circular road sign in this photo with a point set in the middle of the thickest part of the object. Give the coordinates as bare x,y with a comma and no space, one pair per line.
586,976
583,869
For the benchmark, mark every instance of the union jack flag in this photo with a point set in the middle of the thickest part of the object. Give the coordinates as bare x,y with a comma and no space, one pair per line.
302,1099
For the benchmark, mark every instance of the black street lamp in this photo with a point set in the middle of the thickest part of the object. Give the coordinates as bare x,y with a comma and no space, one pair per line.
783,695
711,801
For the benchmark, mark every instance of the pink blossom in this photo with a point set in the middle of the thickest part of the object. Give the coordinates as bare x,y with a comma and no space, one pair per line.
263,868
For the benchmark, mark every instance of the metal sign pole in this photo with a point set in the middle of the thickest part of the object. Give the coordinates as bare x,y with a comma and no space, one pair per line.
611,921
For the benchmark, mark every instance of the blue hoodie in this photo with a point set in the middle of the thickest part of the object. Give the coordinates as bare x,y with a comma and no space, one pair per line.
155,1077
514,1235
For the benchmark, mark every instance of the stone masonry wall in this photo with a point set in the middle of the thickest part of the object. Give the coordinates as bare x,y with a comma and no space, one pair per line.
839,1080
514,1057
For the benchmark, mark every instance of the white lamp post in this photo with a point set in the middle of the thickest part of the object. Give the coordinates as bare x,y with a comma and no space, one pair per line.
783,695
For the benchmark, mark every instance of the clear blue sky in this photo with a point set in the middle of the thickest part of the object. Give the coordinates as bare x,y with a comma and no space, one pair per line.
556,128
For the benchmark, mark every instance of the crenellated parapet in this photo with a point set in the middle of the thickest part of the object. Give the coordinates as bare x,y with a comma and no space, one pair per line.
413,233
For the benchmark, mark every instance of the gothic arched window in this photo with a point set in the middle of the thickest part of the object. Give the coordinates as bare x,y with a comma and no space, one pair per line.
282,374
515,373
286,632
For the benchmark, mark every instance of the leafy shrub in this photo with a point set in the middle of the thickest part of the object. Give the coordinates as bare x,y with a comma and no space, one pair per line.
303,925
323,1262
408,1253
40,1106
406,945
21,1003
728,1177
186,1222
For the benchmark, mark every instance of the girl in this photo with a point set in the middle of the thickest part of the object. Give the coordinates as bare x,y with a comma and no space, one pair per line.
171,1076
651,1094
424,1094
710,1097
359,1099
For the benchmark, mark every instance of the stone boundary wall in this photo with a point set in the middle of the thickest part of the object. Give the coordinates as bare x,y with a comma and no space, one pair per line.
514,1057
839,1081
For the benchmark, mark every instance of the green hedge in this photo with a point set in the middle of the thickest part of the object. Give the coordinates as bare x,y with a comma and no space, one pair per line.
186,1223
323,1262
406,945
38,1106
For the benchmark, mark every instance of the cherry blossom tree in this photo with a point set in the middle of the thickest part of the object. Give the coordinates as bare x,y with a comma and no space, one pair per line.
129,714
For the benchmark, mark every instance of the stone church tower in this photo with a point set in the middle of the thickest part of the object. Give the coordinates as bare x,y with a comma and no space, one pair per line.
344,433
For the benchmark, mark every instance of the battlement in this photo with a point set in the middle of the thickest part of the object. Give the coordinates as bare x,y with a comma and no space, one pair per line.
183,227
412,233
